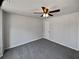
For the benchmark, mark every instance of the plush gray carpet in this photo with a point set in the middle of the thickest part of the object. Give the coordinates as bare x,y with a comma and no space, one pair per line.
41,49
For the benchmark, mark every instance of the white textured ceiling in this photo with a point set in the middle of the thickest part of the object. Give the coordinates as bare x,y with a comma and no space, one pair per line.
27,7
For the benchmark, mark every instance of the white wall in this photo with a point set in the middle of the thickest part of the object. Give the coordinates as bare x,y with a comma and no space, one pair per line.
64,30
21,29
1,46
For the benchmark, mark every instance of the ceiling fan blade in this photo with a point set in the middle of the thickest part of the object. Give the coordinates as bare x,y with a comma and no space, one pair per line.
43,8
50,14
58,10
38,12
1,1
41,15
47,10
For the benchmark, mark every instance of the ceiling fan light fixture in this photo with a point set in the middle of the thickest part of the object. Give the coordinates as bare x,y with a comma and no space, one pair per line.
45,15
46,12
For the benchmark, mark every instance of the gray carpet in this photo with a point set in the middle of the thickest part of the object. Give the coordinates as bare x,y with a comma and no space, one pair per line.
41,49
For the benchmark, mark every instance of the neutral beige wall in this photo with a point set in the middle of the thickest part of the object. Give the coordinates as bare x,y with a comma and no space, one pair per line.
1,44
20,30
64,30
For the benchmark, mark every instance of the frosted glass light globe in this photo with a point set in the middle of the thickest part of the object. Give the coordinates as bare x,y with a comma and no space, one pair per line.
45,15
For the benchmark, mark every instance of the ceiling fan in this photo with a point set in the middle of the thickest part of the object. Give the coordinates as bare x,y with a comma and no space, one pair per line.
1,1
46,12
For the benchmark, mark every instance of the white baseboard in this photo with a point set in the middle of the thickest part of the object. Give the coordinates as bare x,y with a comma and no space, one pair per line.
1,53
45,38
24,43
76,49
